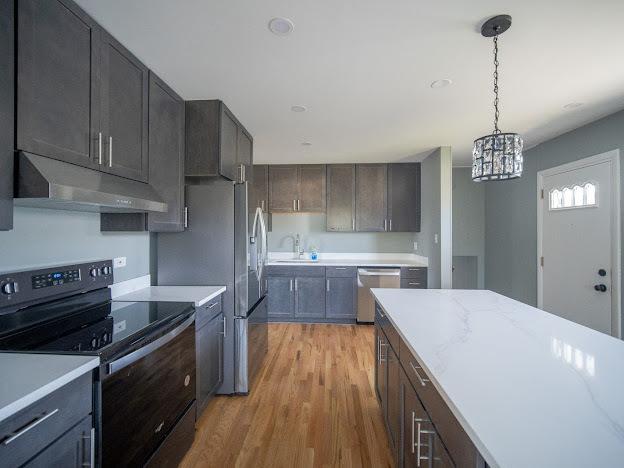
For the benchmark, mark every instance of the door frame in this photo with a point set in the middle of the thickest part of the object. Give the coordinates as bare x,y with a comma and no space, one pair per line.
612,157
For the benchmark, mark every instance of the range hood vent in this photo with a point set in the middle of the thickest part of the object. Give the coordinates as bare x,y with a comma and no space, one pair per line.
48,183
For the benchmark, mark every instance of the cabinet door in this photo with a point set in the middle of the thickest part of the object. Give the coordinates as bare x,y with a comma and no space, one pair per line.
228,144
341,297
72,450
404,197
381,374
124,83
259,188
370,198
209,350
393,413
55,87
341,197
280,290
245,154
283,188
166,155
310,297
311,188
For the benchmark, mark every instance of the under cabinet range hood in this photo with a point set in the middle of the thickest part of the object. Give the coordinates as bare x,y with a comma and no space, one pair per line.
49,183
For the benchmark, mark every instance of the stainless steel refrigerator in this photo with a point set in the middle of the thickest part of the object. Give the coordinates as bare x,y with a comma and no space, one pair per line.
224,244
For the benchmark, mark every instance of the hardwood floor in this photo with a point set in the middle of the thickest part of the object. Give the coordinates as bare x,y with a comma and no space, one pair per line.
313,404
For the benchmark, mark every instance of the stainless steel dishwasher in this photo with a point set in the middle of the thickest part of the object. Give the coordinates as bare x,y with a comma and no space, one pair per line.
374,278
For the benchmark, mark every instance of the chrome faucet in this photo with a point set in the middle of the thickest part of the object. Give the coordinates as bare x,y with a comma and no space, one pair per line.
298,248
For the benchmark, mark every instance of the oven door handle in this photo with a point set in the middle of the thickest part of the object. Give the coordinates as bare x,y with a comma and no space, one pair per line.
134,356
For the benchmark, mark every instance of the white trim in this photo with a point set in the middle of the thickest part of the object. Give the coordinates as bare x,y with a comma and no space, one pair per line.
446,217
131,285
613,157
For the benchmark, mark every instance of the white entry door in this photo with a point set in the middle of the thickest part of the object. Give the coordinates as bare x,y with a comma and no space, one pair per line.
578,242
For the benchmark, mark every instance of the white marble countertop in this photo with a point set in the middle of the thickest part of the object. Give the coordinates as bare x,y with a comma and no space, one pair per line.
528,387
26,378
347,259
198,295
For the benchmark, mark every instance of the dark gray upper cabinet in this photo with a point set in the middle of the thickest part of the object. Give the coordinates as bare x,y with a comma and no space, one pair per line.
297,188
310,297
7,115
341,197
371,209
57,92
404,197
341,297
124,88
216,142
312,188
280,290
166,154
283,188
259,188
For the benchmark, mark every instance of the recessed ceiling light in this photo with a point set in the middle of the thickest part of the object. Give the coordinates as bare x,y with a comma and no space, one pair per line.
441,83
281,26
306,143
298,108
572,105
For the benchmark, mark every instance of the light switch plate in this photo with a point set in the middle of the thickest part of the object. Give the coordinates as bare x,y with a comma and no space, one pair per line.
435,238
119,262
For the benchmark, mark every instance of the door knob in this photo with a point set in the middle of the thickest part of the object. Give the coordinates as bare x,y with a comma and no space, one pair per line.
600,288
602,272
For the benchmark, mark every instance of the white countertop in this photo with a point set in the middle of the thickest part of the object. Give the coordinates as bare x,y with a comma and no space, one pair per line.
528,387
26,378
350,259
198,295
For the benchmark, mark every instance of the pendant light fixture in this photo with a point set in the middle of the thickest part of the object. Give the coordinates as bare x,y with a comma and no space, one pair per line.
497,156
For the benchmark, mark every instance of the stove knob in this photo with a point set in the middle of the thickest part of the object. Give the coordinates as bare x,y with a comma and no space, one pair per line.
104,337
94,272
106,270
94,342
10,287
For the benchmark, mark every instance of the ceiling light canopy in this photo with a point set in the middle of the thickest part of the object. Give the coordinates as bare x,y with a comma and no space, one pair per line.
441,83
298,108
281,26
306,143
572,105
497,156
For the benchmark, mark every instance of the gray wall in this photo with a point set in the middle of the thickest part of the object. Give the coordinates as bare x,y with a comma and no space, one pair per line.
469,220
431,217
511,206
43,237
312,229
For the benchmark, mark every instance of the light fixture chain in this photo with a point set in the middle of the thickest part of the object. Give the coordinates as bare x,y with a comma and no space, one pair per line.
496,112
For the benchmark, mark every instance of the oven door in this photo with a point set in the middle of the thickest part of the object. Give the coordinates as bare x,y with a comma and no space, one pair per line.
144,394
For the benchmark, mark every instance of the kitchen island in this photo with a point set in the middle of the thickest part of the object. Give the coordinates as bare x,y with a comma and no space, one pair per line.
527,388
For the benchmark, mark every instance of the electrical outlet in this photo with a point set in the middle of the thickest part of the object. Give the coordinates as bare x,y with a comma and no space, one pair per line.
435,238
415,245
119,262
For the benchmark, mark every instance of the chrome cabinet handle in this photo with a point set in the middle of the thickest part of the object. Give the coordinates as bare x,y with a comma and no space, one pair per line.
262,205
294,205
212,305
390,224
418,445
223,332
186,216
298,205
110,151
291,285
420,379
296,285
385,224
30,426
341,268
353,224
100,148
91,439
327,281
413,422
414,284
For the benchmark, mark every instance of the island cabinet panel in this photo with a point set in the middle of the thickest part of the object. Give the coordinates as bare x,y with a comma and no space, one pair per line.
371,207
404,197
340,197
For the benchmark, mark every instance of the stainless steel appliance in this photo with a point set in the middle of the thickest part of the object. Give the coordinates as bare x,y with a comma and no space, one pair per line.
224,244
145,386
369,278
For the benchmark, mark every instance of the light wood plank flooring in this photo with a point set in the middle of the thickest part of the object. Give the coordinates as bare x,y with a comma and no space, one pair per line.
313,405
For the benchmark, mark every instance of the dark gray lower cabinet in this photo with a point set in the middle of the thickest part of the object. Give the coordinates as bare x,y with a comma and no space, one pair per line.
209,345
340,297
73,449
310,297
280,290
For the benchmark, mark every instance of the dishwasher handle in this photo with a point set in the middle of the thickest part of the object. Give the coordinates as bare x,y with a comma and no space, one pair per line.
362,272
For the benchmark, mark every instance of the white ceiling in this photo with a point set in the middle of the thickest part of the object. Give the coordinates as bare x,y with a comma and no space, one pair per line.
363,69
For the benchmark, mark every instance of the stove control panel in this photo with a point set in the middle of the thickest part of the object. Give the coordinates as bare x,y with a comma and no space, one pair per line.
21,288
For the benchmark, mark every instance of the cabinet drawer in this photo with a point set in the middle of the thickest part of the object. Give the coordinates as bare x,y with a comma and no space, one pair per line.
203,314
293,271
446,425
341,272
37,426
413,272
414,283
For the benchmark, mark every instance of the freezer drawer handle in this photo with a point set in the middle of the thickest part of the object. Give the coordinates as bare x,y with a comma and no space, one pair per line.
30,426
223,332
420,379
128,359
